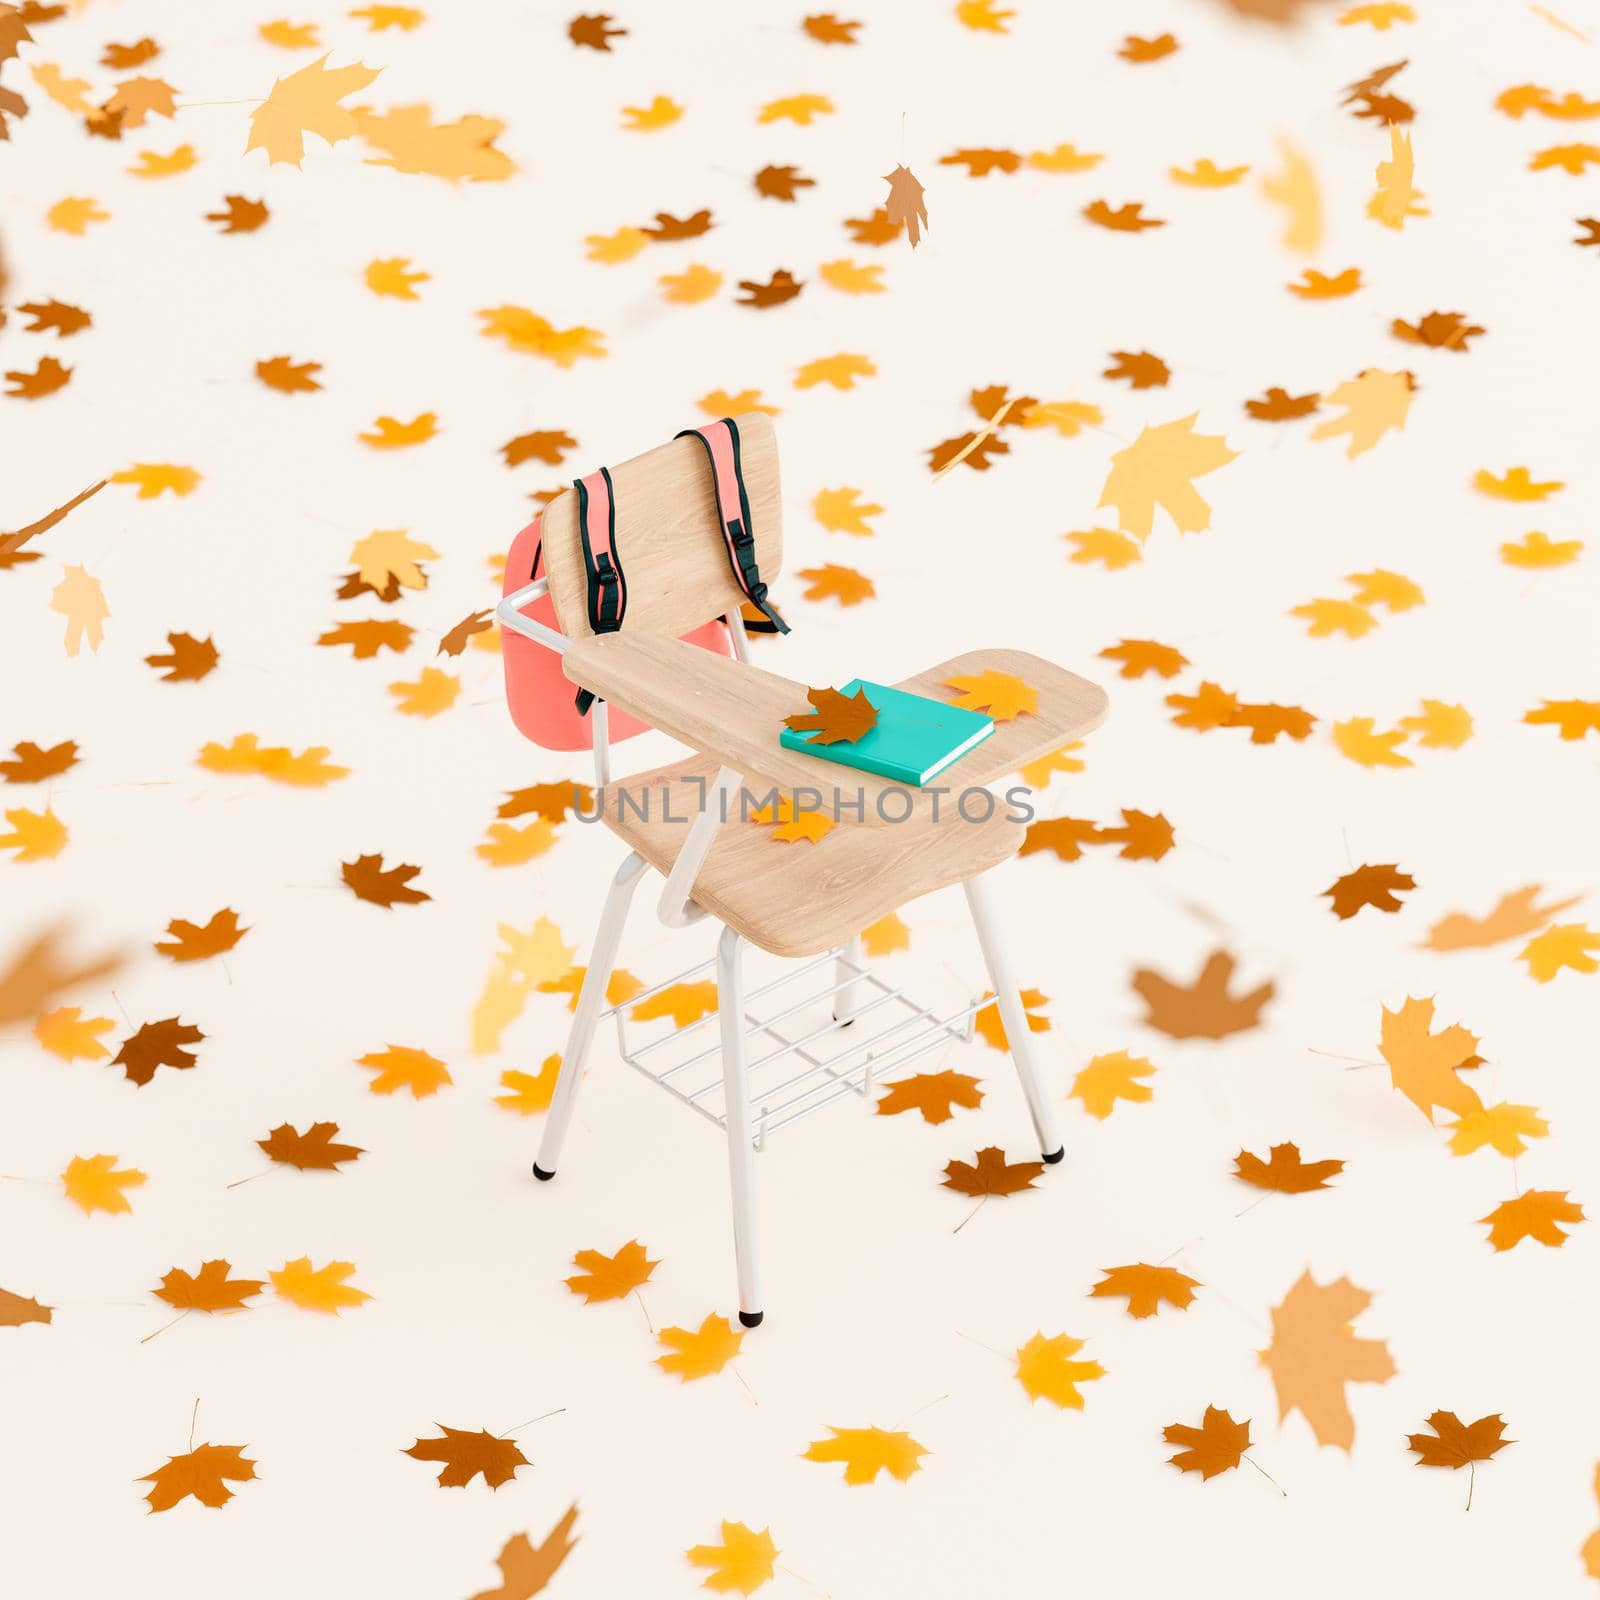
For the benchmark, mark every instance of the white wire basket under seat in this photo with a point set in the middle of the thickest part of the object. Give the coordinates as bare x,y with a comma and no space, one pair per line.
801,1057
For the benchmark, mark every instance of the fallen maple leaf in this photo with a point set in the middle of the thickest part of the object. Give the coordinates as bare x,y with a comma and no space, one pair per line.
877,229
1358,738
1142,369
155,478
1204,1009
1396,198
989,1026
835,718
53,316
1503,1127
1295,188
401,1066
1136,49
1109,1078
46,378
1534,1214
700,1352
1423,1064
390,433
1046,1370
981,162
781,183
431,693
239,215
526,1569
37,973
866,1452
246,754
157,1044
530,1092
594,31
67,1033
1377,887
1159,469
187,659
1129,218
15,1311
288,376
1316,285
850,277
611,1277
411,141
311,1151
1216,1446
1284,1172
682,1002
1515,914
990,1174
842,511
931,1093
305,102
1566,947
320,1288
826,28
1142,656
203,1472
1575,718
35,835
1374,404
1146,1287
32,763
368,636
833,582
465,1455
197,942
95,1183
211,1289
839,371
1278,405
744,1560
797,108
1458,1444
1206,174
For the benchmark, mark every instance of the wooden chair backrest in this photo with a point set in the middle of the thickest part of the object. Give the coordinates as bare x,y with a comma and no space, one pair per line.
668,537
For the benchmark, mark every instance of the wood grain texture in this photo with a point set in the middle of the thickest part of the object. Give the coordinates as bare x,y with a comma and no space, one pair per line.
669,537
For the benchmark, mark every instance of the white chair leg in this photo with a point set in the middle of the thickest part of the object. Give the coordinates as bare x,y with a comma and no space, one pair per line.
591,997
741,1147
1012,1015
847,998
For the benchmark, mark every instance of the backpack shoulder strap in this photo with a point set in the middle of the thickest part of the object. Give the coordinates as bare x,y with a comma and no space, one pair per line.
721,443
607,589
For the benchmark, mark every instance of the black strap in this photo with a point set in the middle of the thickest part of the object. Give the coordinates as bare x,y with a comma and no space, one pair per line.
606,589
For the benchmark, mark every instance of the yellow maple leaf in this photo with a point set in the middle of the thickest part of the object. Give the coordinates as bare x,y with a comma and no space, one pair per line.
1109,1078
1376,403
1295,189
1206,174
1067,417
1159,469
80,599
319,1289
841,371
741,1563
719,403
389,433
683,1002
1357,739
391,554
610,248
1037,774
246,754
426,696
530,1092
790,824
1517,483
841,511
1440,726
1565,947
1424,1065
154,478
662,112
67,1033
1535,550
983,16
800,108
305,102
1503,1127
866,1452
1328,617
851,277
1316,285
1382,15
74,214
73,93
530,334
1001,694
540,955
511,846
1572,158
379,17
611,1277
989,1027
400,1066
699,1352
1113,550
1065,157
1396,198
1382,588
392,276
290,35
411,141
695,283
95,1183
501,1002
1046,1370
152,165
885,936
1575,718
34,835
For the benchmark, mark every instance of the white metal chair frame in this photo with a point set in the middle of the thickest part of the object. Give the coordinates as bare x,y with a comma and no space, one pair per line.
849,994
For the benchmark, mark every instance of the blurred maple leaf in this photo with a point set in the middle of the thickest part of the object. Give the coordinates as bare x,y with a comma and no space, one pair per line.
211,1289
782,183
429,694
1129,218
978,162
391,277
1517,483
239,215
552,801
380,17
931,1093
1575,718
1064,158
530,334
74,214
797,108
701,1352
34,835
1283,1172
288,376
968,450
155,478
465,1455
878,229
1316,285
1109,1078
288,35
885,936
37,973
840,371
1440,330
1396,198
507,846
526,1569
695,283
1046,1370
594,31
311,1151
831,582
1423,1064
1381,15
95,1183
411,141
669,228
1374,404
1140,368
1003,695
1278,405
399,1066
1569,158
203,1472
865,1452
1146,1287
549,445
1136,50
1206,174
1142,656
1368,886
246,754
1505,1128
1535,550
194,942
1536,1214
15,1311
662,112
318,1289
305,102
67,1033
1159,469
368,637
842,511
743,1561
52,316
780,287
989,1027
850,278
1565,947
1204,1009
187,660
611,1277
390,433
1515,914
136,99
455,641
45,379
1357,738
157,1044
32,764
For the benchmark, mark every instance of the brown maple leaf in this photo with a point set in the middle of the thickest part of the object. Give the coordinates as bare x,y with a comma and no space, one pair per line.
157,1044
239,215
781,183
1204,1009
465,1455
455,641
103,122
368,637
287,376
1368,886
45,379
835,718
967,450
192,942
781,286
210,1289
202,1473
549,445
880,228
1065,836
11,542
931,1093
53,316
996,404
552,801
1389,109
1591,227
1535,1214
15,1311
1456,1444
1129,218
905,208
125,57
1145,1287
1440,330
311,1151
1216,1446
187,659
353,586
33,764
990,1174
38,974
1140,368
668,227
981,162
826,28
526,1569
1278,405
1284,1172
1373,82
594,32
368,879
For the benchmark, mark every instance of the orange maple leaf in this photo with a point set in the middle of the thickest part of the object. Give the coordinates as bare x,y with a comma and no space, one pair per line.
1368,886
990,1174
1534,1214
835,718
198,942
465,1455
1146,1287
368,879
311,1151
157,1044
201,1473
1216,1446
1204,1009
931,1093
210,1289
611,1277
1284,1172
1458,1444
525,1568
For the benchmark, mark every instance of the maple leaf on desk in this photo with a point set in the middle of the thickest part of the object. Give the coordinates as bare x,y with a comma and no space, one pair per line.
701,1352
835,718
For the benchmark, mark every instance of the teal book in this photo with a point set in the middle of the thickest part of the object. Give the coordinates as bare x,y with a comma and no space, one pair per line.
914,740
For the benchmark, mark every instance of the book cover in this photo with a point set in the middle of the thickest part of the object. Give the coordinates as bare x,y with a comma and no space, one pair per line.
914,740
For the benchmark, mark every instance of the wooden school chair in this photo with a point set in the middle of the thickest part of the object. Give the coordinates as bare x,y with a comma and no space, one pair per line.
809,900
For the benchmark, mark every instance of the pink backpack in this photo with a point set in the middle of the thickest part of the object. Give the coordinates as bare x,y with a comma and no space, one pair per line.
541,698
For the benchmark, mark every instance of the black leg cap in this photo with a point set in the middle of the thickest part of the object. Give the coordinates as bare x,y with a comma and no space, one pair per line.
751,1319
1050,1157
545,1177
